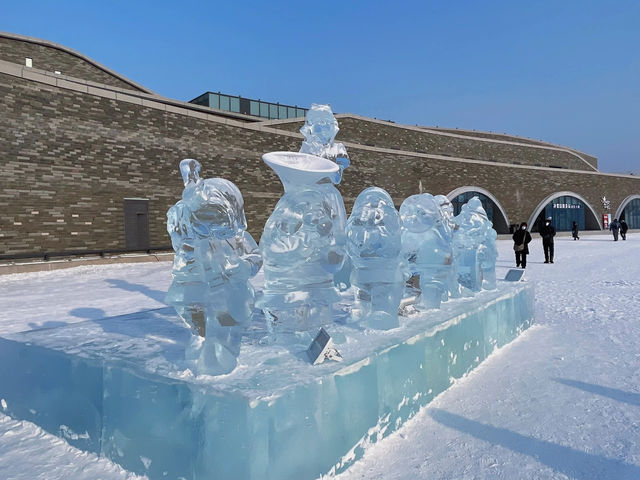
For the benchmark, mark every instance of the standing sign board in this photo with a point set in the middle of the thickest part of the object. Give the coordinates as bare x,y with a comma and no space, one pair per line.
606,220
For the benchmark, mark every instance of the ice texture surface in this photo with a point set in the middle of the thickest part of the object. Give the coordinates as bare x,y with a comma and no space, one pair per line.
378,272
214,259
475,243
120,387
427,248
302,245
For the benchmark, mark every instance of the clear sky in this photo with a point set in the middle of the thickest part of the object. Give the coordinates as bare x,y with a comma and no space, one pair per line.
563,71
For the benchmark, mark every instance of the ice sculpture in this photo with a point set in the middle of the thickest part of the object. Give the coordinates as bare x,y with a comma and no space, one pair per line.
473,228
319,130
214,258
488,255
373,245
448,228
426,248
302,245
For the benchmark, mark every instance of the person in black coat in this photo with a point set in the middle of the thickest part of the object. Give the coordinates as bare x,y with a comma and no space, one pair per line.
623,229
521,239
547,232
615,227
574,231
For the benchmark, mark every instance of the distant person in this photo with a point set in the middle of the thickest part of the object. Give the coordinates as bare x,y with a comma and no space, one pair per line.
574,231
547,232
615,227
623,229
521,239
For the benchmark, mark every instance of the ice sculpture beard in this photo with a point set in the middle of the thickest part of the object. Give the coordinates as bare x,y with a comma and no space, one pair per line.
215,257
373,245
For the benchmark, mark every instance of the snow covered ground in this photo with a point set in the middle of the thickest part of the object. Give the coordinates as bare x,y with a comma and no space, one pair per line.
562,401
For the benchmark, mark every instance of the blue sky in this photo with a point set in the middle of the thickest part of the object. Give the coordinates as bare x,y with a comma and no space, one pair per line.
562,71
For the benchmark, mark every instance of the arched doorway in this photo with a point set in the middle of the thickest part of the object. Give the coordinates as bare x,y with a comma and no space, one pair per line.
564,208
629,211
494,210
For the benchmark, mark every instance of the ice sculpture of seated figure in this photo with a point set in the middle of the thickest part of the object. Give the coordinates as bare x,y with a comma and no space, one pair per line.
448,228
472,224
425,248
214,259
319,130
373,245
300,256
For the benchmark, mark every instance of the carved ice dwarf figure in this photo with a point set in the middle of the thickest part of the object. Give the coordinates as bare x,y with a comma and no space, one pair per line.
215,257
319,130
449,228
488,255
472,230
373,245
426,248
300,256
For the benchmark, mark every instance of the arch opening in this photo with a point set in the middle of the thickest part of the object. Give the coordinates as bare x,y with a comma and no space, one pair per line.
564,208
629,211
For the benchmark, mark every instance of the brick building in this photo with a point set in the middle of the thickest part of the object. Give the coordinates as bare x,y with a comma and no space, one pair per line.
90,160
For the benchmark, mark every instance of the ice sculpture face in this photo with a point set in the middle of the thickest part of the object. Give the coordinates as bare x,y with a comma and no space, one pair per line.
373,245
215,257
320,129
427,248
302,246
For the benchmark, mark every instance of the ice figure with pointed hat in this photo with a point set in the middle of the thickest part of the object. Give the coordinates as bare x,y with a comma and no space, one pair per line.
302,245
373,245
488,255
426,248
214,259
319,130
473,225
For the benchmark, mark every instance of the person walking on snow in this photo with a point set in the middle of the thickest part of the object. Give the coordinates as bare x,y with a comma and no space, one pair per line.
623,229
521,239
574,231
547,232
615,227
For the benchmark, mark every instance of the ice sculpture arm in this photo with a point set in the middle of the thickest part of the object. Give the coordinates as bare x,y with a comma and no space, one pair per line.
250,252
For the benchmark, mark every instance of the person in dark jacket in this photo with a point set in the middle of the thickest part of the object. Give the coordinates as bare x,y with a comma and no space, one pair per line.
521,239
547,232
615,227
623,229
574,231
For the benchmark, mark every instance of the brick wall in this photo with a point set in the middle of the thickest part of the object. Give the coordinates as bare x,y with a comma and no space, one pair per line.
70,158
54,59
388,135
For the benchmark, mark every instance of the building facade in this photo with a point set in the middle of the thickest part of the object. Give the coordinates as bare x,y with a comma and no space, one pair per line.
90,160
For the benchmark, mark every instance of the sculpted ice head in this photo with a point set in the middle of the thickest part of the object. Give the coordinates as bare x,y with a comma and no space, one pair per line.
420,213
217,209
190,171
373,229
320,127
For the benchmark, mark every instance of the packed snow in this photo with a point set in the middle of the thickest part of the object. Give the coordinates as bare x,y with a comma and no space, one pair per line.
561,401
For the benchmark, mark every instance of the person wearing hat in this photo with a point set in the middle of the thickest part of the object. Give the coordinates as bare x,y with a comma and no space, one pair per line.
521,239
547,232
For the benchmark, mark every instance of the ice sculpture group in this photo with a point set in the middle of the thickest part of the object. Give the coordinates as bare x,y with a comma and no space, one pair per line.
318,266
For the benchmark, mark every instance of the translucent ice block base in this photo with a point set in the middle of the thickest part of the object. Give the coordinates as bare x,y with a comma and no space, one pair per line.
119,387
